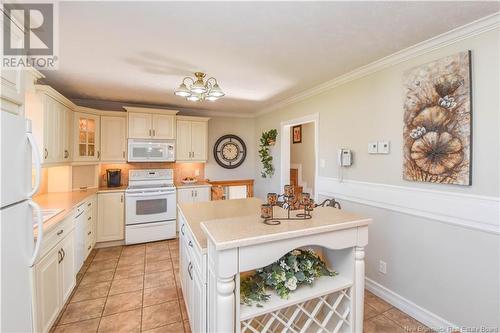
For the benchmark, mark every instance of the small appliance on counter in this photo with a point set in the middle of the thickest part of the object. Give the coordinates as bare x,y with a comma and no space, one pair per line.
113,177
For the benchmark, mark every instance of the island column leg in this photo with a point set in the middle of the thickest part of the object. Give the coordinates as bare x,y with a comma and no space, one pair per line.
359,288
225,304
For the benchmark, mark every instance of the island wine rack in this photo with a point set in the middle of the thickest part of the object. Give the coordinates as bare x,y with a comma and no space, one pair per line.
323,307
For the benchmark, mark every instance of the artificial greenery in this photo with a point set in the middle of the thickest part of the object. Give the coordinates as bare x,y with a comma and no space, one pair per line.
298,267
266,140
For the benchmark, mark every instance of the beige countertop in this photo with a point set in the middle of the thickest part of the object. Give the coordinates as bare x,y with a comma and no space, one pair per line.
61,200
200,183
242,229
196,213
103,189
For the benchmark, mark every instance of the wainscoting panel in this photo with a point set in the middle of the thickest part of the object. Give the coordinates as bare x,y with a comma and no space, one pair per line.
465,210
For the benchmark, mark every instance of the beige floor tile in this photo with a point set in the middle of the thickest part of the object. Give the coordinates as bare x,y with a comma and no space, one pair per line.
187,327
158,266
159,279
159,295
103,265
377,303
156,246
130,261
82,311
370,311
86,326
127,322
157,256
406,322
381,324
170,328
123,302
108,253
91,291
174,253
126,285
124,272
160,315
98,276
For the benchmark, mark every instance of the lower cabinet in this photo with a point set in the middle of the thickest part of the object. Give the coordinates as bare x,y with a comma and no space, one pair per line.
110,216
193,194
192,269
54,279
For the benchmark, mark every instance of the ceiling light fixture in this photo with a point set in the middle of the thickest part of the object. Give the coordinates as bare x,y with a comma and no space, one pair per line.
195,90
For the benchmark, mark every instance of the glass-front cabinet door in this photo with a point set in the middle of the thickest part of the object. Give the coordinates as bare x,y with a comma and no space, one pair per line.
87,144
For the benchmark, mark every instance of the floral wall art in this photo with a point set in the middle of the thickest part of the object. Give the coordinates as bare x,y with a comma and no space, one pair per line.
437,121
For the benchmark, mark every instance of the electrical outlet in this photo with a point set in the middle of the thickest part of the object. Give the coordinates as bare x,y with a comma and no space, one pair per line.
196,172
372,148
382,267
383,147
322,163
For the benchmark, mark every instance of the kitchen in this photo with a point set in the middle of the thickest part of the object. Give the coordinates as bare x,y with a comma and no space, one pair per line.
140,194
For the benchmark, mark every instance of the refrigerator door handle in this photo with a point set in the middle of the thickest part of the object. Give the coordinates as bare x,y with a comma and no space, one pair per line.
39,238
38,164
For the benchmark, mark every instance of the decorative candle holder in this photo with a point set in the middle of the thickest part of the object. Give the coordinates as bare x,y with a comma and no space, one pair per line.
288,201
272,199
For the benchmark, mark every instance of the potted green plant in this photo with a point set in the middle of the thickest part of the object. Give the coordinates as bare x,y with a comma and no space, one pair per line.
267,140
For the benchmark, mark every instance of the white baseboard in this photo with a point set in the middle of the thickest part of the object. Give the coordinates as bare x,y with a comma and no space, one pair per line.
424,316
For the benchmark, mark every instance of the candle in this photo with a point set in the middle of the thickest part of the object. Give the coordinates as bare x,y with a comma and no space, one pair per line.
289,190
305,198
266,211
272,199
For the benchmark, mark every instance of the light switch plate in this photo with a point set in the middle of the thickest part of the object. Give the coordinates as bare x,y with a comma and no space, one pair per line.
373,148
384,147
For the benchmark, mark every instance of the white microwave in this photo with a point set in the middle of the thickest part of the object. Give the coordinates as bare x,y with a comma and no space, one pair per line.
144,150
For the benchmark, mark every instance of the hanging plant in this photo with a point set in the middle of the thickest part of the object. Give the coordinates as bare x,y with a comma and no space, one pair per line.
296,268
267,140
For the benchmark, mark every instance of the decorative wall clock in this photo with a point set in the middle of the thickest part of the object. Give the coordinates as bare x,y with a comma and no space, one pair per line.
230,151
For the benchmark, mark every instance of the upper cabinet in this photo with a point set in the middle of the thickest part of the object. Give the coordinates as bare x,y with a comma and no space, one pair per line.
145,123
86,130
192,139
113,139
51,115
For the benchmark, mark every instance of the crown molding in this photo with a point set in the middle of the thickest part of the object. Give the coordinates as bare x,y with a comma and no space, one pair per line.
474,28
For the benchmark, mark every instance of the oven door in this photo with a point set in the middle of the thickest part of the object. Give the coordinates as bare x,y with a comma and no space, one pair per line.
150,151
148,207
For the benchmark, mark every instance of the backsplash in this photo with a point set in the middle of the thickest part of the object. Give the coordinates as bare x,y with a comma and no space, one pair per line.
181,170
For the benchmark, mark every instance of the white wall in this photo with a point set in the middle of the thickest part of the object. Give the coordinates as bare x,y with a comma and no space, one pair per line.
245,129
449,270
303,154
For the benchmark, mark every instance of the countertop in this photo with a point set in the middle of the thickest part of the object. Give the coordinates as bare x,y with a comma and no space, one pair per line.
103,189
200,183
61,200
197,212
243,229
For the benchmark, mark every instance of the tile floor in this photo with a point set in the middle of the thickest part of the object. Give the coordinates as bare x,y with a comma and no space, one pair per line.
136,289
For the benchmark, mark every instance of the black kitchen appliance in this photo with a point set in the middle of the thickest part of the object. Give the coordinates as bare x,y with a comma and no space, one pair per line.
113,177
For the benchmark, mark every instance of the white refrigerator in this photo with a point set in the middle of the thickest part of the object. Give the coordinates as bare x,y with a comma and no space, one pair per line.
18,248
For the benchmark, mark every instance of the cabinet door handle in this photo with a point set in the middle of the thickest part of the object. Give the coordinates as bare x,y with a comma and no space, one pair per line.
59,256
89,248
89,204
190,243
89,218
46,153
60,232
150,133
66,154
182,229
89,233
98,154
196,193
154,132
121,198
123,154
63,254
190,270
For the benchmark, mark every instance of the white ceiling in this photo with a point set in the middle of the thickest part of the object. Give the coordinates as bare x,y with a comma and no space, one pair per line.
261,52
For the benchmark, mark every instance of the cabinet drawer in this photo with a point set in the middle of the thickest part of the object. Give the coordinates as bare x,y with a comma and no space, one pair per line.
194,252
55,235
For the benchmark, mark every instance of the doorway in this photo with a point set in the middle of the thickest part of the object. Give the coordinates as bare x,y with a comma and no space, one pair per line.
299,153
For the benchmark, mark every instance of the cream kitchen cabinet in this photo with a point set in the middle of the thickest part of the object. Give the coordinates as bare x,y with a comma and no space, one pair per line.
144,123
51,116
192,139
193,194
86,129
54,280
113,139
110,216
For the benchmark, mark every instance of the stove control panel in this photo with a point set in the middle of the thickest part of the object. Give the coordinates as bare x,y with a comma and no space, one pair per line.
151,174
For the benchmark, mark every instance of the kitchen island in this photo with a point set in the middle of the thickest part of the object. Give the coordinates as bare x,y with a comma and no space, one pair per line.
231,239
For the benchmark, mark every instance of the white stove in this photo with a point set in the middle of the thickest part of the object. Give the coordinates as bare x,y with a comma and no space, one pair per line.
150,206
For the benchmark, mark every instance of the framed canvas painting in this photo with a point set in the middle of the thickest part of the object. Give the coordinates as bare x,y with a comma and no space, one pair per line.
438,121
297,134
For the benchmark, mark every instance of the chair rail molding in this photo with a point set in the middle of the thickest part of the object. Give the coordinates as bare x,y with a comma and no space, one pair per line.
466,210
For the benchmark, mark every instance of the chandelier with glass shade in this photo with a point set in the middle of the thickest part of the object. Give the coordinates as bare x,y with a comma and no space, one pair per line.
199,90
